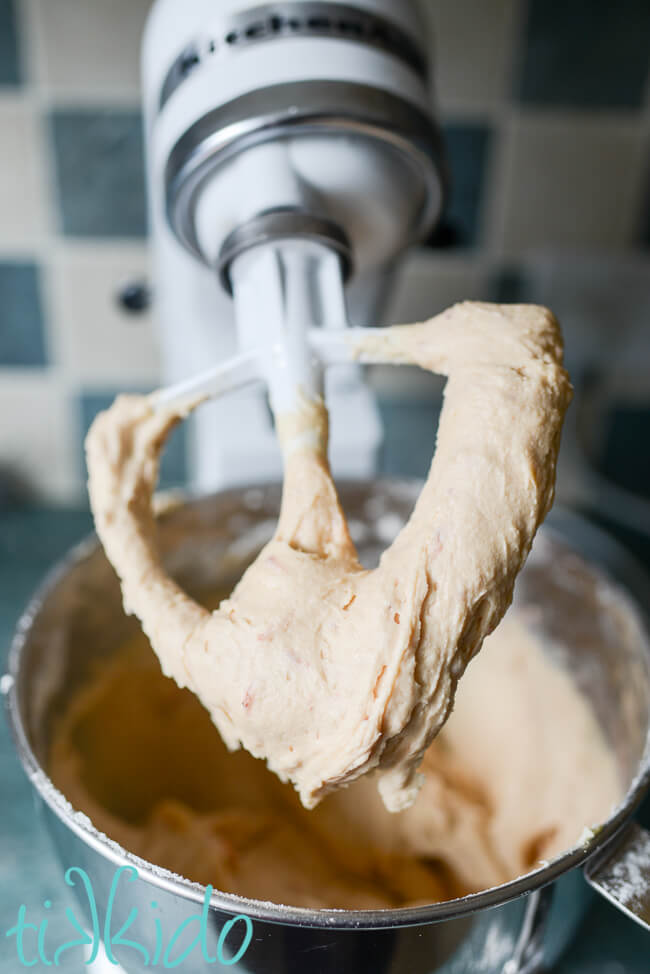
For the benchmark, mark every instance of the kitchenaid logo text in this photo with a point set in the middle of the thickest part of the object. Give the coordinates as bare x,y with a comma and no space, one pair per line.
46,943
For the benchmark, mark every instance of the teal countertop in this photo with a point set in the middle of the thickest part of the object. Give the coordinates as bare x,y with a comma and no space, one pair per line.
30,542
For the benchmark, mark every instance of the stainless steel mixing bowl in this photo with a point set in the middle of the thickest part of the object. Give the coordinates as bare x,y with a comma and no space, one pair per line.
591,630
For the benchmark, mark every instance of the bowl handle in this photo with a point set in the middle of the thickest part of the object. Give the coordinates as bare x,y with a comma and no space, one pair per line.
621,873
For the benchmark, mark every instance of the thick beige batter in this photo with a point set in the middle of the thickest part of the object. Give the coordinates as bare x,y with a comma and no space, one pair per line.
141,758
323,668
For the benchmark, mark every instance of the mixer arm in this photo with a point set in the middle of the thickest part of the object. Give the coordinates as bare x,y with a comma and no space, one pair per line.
329,347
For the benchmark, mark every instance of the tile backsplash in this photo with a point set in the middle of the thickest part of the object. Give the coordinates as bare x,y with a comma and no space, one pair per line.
585,54
107,146
546,112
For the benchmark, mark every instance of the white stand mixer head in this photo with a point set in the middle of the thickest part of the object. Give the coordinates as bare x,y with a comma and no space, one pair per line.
300,121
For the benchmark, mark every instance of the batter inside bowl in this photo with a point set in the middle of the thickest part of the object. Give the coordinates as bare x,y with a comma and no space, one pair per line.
517,773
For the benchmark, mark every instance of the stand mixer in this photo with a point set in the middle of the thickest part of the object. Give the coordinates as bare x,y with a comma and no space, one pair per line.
291,161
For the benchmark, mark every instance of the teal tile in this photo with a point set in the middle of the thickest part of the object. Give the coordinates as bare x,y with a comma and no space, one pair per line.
585,53
468,148
510,285
99,167
10,73
32,540
22,340
625,455
644,223
607,943
173,467
409,437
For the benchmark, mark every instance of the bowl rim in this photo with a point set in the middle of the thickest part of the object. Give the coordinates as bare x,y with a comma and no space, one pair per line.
79,823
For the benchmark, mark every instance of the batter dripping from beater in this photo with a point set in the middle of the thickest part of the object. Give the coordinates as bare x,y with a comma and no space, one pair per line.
322,667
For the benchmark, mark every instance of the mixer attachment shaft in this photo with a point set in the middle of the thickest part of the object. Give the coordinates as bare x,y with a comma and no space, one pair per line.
291,323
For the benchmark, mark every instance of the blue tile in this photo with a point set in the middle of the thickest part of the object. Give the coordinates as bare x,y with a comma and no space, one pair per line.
510,285
585,53
468,147
644,223
9,56
100,173
638,544
625,456
22,340
173,467
409,437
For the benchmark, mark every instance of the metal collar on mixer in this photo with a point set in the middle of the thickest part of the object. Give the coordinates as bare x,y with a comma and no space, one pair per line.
299,109
283,224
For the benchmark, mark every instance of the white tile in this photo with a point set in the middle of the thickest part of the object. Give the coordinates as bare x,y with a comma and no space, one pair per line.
428,284
23,202
603,304
570,181
472,44
85,48
37,435
96,342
